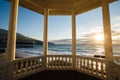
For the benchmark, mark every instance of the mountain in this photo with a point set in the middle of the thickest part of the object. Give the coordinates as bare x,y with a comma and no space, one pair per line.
19,38
62,41
78,41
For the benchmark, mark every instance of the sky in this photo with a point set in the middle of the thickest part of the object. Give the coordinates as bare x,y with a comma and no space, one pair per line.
59,27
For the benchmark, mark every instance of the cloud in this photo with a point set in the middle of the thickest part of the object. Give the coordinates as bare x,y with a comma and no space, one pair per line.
118,18
116,26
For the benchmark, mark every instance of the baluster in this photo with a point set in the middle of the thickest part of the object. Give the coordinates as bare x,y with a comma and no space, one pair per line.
40,62
97,70
59,62
35,63
16,69
62,62
26,66
102,70
48,62
70,64
71,61
46,59
53,62
21,68
88,65
80,63
76,63
66,62
83,64
92,66
30,65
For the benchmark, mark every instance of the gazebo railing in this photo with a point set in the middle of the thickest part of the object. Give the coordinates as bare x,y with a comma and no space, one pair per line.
91,66
59,62
27,66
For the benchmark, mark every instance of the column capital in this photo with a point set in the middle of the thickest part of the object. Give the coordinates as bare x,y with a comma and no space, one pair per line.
45,10
73,11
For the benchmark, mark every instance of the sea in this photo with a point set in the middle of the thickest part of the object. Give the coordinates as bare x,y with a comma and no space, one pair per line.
66,49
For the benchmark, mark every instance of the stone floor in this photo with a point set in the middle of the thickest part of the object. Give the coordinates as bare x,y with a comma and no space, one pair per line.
60,75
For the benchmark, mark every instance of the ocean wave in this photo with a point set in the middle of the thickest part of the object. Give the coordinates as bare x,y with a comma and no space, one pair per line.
85,50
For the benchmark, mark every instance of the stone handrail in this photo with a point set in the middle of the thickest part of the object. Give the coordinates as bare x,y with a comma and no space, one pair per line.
27,66
92,66
59,62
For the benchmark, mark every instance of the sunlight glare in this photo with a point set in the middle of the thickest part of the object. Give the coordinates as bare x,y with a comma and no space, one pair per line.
99,37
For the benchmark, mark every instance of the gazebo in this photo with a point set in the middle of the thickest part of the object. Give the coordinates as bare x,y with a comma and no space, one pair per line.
100,68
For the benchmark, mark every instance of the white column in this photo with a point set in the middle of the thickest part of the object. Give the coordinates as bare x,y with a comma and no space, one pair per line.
107,40
74,37
11,43
45,41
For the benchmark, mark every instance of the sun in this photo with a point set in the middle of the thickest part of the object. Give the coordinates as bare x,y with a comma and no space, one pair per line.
99,37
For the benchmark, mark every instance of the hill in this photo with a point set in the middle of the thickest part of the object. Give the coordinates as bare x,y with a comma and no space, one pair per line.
19,38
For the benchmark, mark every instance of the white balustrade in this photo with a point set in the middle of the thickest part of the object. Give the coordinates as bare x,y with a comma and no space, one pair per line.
89,65
59,62
92,66
27,66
